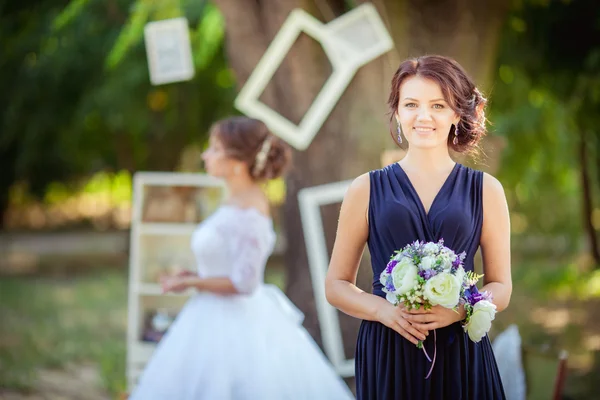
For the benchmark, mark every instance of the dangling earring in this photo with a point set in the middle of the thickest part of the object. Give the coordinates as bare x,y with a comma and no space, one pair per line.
455,140
399,134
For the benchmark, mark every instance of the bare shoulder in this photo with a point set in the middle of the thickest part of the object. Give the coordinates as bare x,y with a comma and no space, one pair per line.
359,192
356,200
492,185
493,191
258,202
264,208
360,186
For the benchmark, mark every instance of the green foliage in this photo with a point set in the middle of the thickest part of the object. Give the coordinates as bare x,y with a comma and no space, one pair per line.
130,35
71,11
207,38
79,99
546,94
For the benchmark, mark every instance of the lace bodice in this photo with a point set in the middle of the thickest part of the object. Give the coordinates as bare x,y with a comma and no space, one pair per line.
236,243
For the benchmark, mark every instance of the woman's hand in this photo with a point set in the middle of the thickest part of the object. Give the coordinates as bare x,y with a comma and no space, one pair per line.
434,318
185,272
176,283
393,317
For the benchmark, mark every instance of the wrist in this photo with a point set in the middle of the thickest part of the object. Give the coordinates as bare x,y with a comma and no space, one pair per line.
379,309
194,282
462,313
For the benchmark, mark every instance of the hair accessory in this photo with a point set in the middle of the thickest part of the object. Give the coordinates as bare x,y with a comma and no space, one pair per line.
261,156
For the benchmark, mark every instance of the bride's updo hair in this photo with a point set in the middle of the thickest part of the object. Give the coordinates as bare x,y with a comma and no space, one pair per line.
459,92
249,140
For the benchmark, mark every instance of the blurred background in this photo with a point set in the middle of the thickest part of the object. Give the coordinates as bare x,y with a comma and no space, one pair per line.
79,117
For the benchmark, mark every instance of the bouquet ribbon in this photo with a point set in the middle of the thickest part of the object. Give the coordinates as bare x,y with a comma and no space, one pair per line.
434,354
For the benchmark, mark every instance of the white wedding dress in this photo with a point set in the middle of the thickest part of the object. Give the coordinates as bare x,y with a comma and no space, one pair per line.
248,346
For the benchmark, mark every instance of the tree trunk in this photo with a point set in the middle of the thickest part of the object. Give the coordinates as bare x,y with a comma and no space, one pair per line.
356,133
8,162
587,199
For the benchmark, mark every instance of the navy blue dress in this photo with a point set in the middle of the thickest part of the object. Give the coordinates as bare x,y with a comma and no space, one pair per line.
387,365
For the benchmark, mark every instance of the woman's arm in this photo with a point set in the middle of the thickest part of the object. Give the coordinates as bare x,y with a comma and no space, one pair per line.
495,243
340,283
218,285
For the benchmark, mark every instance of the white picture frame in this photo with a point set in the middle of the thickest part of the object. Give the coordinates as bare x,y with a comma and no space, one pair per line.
169,51
372,27
310,200
299,136
140,291
345,60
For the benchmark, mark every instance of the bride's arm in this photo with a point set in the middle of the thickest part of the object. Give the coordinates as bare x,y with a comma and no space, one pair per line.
218,285
247,246
495,243
340,283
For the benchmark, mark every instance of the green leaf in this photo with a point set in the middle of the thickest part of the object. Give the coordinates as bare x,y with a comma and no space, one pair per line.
131,34
71,11
208,37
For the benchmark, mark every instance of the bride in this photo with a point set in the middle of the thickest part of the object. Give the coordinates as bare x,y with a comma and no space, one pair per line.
238,338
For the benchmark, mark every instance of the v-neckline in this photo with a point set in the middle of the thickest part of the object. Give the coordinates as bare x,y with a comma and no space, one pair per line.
419,200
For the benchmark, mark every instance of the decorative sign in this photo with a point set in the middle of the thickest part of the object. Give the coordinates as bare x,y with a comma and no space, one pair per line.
169,51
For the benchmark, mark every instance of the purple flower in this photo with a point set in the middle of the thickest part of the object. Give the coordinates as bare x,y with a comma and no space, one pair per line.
426,274
476,297
473,295
389,284
390,266
456,263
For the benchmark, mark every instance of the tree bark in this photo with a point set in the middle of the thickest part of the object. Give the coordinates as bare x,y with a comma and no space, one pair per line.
8,162
356,133
588,207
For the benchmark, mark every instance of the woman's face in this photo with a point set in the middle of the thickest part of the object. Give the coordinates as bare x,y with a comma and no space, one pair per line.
423,114
217,162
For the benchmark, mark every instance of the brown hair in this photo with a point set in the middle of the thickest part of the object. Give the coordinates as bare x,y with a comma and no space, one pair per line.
459,91
244,138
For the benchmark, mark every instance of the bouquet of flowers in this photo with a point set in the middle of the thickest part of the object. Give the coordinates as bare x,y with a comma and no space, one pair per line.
428,274
479,307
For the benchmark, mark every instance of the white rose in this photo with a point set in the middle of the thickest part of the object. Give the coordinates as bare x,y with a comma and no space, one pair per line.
430,248
480,323
383,278
404,276
447,259
427,262
446,264
443,289
460,274
391,297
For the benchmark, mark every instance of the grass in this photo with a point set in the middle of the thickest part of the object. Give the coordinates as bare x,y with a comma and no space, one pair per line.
50,322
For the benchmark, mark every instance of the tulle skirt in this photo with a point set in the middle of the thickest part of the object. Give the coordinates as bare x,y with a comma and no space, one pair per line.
239,347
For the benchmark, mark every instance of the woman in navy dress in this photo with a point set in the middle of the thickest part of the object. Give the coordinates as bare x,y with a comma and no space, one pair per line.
426,196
